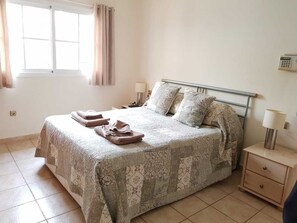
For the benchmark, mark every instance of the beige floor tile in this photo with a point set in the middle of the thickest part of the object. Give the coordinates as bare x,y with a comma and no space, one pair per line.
163,215
273,212
262,218
19,145
186,221
137,220
3,146
13,197
57,204
38,174
5,155
11,181
29,164
210,195
230,184
250,199
235,209
189,205
210,215
25,213
75,216
23,154
46,188
8,168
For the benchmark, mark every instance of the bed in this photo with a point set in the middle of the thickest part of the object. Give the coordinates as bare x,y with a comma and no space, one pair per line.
115,183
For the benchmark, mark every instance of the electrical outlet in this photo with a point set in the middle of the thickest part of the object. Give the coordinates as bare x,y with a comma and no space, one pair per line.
12,113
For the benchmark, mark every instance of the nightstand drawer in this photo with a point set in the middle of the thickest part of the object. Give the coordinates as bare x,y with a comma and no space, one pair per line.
267,168
263,186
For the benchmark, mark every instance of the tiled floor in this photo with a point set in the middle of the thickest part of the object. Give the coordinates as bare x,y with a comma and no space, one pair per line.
30,193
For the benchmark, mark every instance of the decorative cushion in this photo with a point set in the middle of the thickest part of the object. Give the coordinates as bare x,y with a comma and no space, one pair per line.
152,92
156,87
162,99
214,112
193,108
176,103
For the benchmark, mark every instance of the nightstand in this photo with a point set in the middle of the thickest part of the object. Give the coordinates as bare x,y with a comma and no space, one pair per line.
124,107
269,174
130,106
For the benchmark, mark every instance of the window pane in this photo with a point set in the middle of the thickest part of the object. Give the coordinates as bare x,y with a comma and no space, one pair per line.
86,27
16,54
14,15
66,25
86,39
38,54
67,56
37,22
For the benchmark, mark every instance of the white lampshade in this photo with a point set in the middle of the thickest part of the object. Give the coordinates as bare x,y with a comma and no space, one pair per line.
140,87
274,119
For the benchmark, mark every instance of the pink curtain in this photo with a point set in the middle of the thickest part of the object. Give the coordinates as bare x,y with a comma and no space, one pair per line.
103,72
5,72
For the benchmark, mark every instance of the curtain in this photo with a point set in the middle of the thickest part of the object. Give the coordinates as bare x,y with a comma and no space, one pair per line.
5,72
103,71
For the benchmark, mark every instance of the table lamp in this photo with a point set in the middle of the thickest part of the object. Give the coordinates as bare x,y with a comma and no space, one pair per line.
140,88
274,120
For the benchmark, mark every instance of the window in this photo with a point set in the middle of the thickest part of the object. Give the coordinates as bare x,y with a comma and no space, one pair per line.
47,39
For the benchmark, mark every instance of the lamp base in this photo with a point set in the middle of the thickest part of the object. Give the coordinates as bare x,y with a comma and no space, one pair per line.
139,98
270,138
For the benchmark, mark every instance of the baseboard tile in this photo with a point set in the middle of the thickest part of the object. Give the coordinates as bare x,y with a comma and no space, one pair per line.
18,138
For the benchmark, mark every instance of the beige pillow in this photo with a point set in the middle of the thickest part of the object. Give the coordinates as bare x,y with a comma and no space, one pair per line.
193,108
162,99
155,88
214,112
176,103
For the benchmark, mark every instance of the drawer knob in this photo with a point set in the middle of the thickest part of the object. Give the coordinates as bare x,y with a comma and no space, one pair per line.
264,168
261,186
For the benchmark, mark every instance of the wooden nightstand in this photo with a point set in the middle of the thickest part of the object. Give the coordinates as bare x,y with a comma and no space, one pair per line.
269,174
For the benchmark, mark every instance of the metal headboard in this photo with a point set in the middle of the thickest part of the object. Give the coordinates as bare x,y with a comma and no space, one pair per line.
203,89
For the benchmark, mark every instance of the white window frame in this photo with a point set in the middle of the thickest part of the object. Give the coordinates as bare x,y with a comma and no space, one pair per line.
65,6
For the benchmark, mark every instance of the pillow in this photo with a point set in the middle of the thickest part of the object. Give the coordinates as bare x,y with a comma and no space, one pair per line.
216,110
176,103
161,100
156,87
153,92
193,108
211,115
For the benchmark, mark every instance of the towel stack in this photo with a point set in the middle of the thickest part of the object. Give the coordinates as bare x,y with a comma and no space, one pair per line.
119,133
89,118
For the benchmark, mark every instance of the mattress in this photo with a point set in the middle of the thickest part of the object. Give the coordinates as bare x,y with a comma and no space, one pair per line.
116,183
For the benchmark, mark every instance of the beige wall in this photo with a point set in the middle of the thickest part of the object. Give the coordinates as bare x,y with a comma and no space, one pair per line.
230,43
35,98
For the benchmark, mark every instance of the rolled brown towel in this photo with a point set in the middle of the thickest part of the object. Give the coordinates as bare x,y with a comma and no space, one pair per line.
90,114
89,123
120,140
118,128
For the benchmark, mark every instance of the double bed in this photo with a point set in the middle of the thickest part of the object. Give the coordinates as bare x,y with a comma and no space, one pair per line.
115,183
